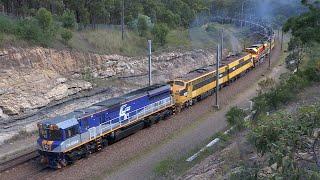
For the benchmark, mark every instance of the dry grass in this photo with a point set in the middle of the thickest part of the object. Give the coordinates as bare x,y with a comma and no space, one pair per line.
21,135
108,41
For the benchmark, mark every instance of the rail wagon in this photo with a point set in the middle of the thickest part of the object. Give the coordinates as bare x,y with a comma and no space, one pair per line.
65,139
200,83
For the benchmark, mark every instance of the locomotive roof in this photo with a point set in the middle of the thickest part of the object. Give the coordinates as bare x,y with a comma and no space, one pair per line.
201,71
59,119
130,96
106,104
256,45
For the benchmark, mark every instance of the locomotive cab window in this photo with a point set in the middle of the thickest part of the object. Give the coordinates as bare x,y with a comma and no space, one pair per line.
72,131
55,135
179,83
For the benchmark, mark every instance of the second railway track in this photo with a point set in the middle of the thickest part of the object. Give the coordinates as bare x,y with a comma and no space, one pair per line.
18,160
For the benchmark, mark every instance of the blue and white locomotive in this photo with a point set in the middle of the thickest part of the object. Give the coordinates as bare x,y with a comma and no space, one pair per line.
65,139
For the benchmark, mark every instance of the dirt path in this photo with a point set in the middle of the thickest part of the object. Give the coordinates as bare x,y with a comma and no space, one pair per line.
135,156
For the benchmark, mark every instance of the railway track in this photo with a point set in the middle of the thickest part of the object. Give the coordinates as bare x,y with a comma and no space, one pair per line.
15,123
32,157
18,160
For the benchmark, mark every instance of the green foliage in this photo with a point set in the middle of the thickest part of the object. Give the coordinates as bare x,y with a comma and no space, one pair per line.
143,25
68,20
6,25
306,27
164,167
245,173
294,44
282,136
286,91
1,37
28,29
173,12
222,136
312,74
66,35
235,117
170,18
160,32
44,18
211,28
292,60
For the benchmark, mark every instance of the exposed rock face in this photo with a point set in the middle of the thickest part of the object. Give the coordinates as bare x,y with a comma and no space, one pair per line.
33,77
30,89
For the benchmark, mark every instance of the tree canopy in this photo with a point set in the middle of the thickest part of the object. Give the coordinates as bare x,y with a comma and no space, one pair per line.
172,12
305,27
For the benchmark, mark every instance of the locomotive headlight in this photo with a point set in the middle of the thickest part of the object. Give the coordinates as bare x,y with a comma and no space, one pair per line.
53,127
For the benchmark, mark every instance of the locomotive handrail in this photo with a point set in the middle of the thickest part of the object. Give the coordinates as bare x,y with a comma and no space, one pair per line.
146,110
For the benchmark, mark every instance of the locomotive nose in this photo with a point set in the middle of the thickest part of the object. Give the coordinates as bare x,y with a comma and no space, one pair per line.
46,145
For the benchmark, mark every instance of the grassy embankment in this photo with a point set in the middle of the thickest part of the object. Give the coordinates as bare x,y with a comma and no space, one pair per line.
108,41
21,33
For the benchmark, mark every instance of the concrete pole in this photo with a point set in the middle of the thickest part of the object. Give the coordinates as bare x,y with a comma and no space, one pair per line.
149,57
217,77
221,48
122,20
242,7
281,39
270,53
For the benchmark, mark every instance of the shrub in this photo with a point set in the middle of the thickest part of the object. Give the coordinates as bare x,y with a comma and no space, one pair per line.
142,26
135,23
245,173
266,85
66,35
286,91
44,18
235,117
211,28
282,137
6,25
160,32
28,29
1,37
312,74
69,20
